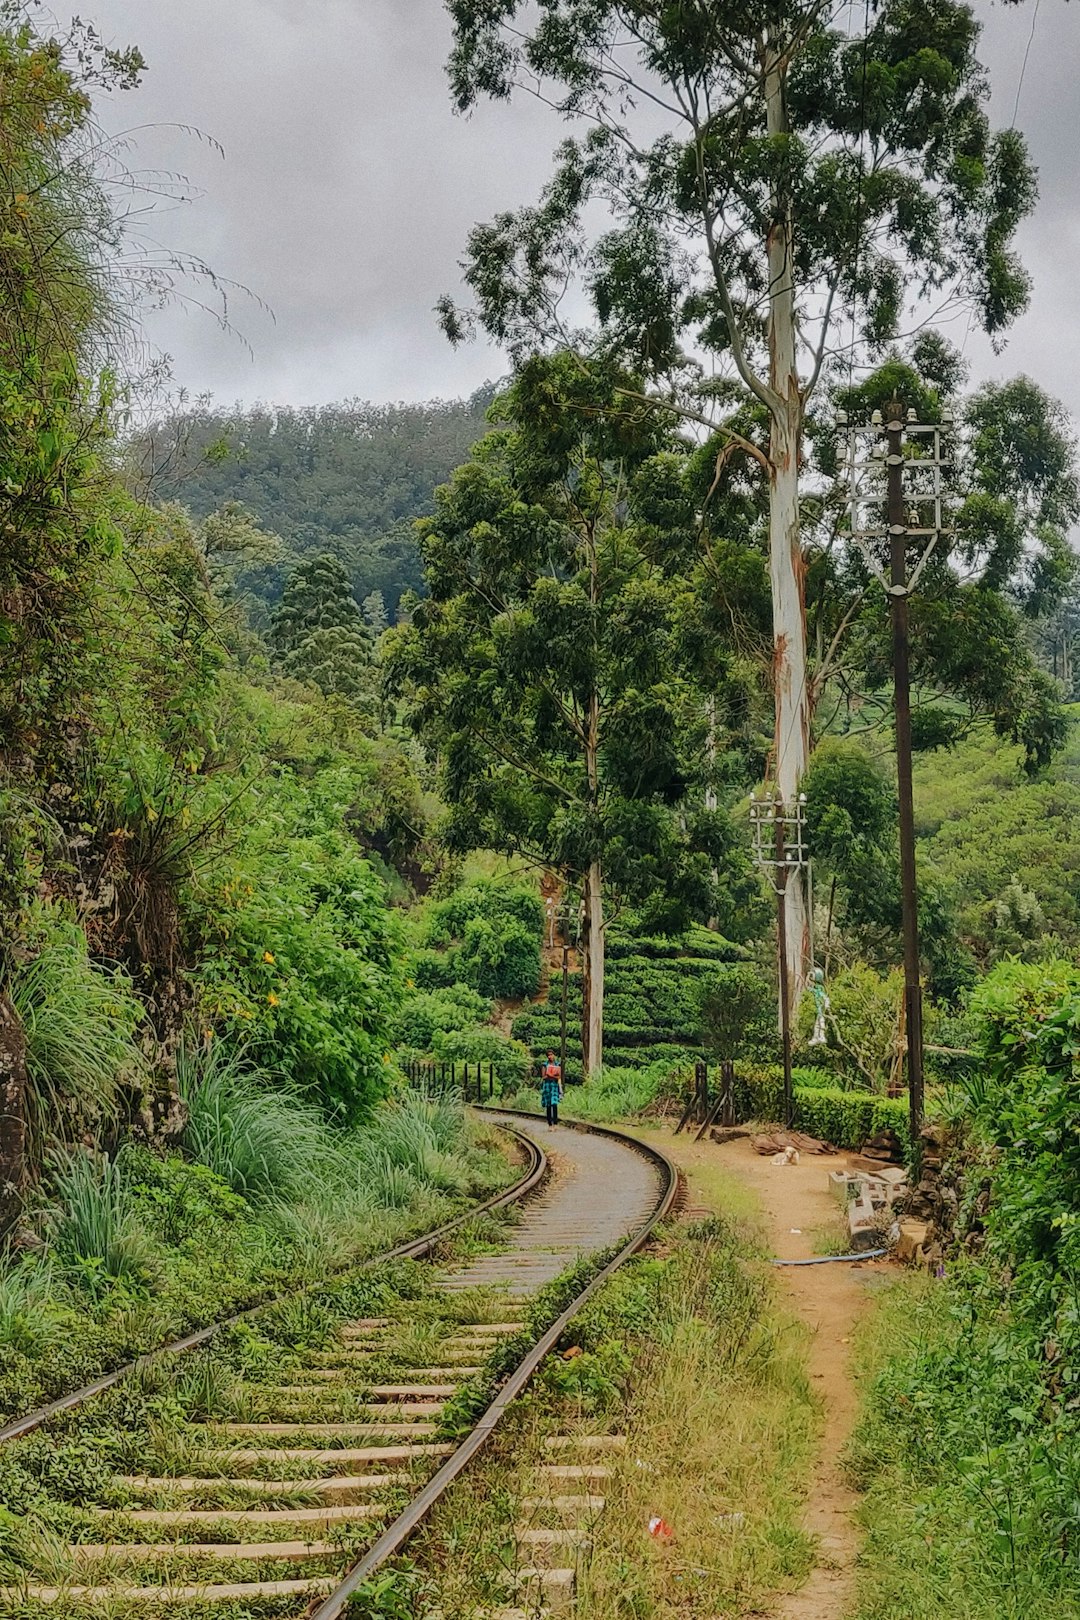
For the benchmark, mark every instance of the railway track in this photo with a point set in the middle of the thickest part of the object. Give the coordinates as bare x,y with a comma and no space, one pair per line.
285,1494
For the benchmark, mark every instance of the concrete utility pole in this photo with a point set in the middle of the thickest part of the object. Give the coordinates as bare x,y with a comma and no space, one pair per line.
913,511
909,898
780,850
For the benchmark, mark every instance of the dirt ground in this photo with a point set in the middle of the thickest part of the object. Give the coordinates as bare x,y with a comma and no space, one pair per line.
792,1201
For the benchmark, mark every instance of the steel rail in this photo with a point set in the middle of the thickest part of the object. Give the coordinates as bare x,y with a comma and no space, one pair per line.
397,1534
415,1249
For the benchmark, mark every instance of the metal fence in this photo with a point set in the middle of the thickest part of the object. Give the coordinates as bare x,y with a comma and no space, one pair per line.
474,1082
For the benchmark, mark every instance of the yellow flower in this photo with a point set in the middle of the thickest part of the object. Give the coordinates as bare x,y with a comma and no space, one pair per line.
268,956
272,999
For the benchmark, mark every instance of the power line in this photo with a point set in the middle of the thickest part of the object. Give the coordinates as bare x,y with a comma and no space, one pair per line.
1023,66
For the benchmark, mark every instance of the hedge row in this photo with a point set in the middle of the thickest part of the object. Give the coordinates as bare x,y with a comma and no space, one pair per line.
700,943
844,1118
639,1057
535,1031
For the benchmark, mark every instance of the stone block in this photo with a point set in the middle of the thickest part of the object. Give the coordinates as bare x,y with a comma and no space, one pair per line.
912,1237
862,1224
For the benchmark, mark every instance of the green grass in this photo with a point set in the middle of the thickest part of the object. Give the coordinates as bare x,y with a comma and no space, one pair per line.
688,1357
95,1228
261,1138
140,1250
79,1022
960,1503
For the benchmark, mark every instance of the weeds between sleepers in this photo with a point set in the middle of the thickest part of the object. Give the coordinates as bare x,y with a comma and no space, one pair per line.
686,1353
139,1428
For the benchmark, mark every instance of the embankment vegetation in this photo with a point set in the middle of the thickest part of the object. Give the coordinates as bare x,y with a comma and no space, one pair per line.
206,837
969,1450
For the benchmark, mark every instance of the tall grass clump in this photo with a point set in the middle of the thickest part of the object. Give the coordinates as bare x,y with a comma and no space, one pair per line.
263,1138
80,1023
28,1320
96,1234
414,1143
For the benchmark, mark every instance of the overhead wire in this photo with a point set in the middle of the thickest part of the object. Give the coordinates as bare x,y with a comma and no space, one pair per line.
1023,65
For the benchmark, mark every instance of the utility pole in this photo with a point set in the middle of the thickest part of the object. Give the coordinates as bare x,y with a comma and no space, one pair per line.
562,1041
780,849
782,956
911,513
909,898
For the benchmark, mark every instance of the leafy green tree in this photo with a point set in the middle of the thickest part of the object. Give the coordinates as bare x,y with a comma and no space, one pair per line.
545,666
241,558
375,615
780,184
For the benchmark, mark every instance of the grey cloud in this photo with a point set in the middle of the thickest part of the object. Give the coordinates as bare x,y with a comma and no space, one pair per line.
349,187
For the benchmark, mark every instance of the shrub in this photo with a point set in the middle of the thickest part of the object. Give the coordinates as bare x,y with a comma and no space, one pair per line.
699,943
1026,1102
457,1007
436,970
491,933
500,957
511,1060
845,1118
299,954
738,1012
486,897
182,1202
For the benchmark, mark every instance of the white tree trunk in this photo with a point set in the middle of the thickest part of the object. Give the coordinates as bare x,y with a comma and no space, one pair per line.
593,999
786,568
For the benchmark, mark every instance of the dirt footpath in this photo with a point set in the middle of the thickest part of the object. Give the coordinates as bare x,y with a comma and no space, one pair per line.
792,1201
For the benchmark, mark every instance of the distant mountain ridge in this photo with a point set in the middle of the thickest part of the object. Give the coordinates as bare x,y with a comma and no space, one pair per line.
349,479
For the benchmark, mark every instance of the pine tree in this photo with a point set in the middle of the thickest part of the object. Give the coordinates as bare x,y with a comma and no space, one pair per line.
321,632
317,596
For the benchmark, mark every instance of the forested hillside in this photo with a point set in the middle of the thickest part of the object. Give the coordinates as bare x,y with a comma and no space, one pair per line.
1005,850
347,480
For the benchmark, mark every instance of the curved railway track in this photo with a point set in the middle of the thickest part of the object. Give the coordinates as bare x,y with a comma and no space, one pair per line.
312,1498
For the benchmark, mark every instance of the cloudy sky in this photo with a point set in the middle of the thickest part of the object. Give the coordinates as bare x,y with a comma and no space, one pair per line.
348,186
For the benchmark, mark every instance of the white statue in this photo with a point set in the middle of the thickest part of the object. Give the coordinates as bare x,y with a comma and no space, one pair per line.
821,1007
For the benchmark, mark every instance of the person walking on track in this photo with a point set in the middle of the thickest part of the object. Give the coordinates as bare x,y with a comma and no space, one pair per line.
551,1088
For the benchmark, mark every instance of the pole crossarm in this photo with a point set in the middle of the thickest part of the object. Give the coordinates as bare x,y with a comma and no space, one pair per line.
787,854
924,473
